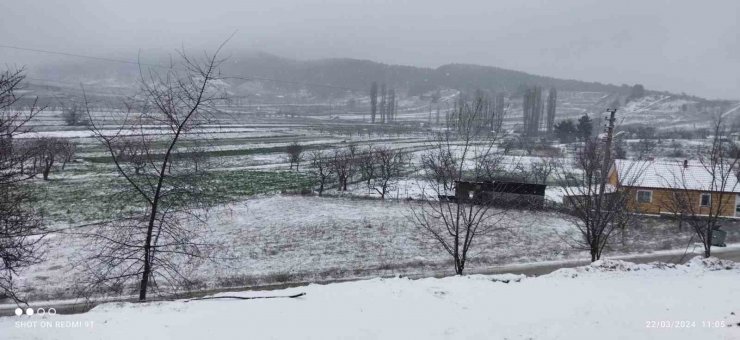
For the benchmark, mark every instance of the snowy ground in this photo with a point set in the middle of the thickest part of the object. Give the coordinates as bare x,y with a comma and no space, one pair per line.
277,239
606,300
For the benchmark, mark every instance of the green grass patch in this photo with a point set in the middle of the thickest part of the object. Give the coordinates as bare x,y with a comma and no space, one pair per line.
106,197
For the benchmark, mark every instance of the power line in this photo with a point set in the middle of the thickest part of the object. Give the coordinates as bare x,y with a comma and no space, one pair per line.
122,61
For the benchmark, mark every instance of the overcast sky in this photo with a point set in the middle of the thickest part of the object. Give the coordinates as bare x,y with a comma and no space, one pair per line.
679,45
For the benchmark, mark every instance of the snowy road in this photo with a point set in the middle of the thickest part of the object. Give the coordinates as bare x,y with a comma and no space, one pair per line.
730,111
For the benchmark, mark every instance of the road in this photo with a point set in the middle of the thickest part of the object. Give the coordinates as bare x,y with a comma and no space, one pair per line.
541,268
530,269
730,111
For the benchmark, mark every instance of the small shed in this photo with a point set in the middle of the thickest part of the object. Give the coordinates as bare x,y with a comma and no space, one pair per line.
502,193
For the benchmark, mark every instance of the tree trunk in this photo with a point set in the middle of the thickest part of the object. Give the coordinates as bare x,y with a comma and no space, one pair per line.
708,243
47,168
595,256
459,267
147,262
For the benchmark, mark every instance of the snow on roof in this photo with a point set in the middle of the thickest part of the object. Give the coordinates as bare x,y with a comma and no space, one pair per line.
560,192
673,175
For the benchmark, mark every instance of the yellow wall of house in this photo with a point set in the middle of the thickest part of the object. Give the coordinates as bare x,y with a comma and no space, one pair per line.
613,177
662,202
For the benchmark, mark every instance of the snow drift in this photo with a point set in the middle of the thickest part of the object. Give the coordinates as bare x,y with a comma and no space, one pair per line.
606,300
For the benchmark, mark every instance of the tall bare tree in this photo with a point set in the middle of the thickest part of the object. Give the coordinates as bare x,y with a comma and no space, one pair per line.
499,110
21,228
383,103
552,101
391,109
153,244
373,101
458,154
343,165
596,208
533,108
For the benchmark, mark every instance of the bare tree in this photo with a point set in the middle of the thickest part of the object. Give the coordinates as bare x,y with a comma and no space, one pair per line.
294,151
704,192
597,208
196,156
440,165
391,109
321,168
389,163
367,166
342,165
153,244
552,101
132,151
373,101
49,151
383,103
541,170
73,115
21,228
67,152
458,154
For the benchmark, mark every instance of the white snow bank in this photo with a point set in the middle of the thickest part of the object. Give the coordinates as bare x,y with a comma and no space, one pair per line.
605,300
696,264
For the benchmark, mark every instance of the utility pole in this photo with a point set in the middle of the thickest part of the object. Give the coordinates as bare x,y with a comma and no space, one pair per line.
607,150
609,133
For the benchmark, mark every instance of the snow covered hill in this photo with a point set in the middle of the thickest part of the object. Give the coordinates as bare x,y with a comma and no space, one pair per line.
606,300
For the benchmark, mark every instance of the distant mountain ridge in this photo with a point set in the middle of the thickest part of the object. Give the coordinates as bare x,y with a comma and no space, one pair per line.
326,77
359,74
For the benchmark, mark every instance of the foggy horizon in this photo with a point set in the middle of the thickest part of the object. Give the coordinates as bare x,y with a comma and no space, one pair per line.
666,46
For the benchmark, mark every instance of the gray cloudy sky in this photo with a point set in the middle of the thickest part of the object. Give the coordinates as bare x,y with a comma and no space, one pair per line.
678,45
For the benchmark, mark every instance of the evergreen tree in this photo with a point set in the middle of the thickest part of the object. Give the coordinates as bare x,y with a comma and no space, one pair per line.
565,131
636,92
585,127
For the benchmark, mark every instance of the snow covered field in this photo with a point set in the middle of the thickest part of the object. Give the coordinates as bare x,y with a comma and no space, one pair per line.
606,300
277,239
273,239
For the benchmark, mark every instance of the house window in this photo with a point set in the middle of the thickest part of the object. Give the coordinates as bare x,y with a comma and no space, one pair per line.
706,200
644,196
